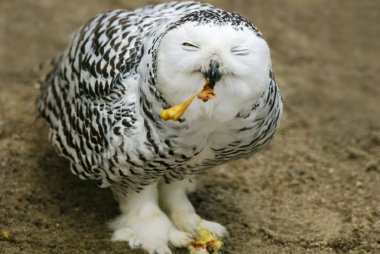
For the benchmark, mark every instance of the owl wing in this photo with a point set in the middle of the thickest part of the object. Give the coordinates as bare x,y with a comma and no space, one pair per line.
107,49
89,99
89,92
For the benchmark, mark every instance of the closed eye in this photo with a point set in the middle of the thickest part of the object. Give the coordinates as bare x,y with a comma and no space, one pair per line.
239,51
189,46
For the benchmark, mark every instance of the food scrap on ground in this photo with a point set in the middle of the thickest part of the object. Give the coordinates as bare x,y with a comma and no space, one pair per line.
5,234
205,243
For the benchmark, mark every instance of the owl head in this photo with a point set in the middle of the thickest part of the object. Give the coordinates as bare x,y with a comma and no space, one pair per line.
230,52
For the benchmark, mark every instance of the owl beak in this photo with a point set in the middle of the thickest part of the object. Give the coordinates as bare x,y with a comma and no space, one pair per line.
213,74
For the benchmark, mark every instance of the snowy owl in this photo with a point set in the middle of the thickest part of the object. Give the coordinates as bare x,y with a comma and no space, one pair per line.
103,100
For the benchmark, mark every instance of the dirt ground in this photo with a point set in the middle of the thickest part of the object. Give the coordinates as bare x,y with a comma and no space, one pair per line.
316,189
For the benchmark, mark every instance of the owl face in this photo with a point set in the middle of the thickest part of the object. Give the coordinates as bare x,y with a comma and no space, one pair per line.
237,62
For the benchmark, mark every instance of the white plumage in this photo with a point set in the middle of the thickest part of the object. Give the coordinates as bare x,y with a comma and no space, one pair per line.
102,102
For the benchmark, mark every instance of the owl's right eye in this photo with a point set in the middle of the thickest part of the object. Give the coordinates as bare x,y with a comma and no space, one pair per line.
189,46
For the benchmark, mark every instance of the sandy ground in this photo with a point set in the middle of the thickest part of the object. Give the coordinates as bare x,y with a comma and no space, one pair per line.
316,189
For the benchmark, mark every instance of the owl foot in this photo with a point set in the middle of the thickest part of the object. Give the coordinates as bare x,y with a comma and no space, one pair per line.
152,233
179,209
192,223
143,225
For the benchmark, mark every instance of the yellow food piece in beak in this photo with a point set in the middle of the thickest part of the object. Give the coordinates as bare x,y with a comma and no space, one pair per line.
206,94
175,112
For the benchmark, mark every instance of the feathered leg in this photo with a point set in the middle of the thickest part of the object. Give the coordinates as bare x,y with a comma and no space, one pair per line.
174,201
143,225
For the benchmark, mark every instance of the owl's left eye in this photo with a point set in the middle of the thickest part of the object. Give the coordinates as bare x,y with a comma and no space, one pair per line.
239,51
